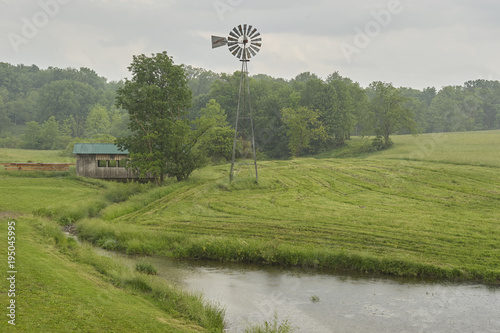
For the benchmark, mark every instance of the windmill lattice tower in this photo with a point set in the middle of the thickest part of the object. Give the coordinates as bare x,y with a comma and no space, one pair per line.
244,42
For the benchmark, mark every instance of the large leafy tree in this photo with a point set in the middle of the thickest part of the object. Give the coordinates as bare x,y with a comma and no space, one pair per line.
350,100
387,113
157,97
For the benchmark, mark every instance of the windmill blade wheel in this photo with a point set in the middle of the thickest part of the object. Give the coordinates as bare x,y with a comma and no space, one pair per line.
244,42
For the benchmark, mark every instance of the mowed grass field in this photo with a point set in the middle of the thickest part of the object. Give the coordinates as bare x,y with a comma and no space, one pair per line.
428,207
467,148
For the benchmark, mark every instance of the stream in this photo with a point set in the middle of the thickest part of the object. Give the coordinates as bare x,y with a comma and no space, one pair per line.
316,302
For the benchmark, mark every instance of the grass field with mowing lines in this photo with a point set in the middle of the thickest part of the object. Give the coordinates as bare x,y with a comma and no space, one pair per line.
437,216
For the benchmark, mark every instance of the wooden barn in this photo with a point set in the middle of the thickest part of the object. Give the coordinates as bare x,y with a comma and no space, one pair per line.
103,161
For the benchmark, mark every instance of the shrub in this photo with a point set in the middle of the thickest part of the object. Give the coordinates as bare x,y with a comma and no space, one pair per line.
146,268
272,327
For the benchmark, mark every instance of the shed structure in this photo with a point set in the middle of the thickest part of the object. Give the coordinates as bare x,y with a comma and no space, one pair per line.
103,161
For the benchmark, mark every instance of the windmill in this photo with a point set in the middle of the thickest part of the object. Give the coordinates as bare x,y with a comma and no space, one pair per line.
244,42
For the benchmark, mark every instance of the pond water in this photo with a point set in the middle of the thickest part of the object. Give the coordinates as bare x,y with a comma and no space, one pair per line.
316,302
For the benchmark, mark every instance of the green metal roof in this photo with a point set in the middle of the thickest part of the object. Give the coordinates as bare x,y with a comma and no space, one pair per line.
98,148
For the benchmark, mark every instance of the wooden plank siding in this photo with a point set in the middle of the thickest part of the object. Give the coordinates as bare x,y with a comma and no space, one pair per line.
89,166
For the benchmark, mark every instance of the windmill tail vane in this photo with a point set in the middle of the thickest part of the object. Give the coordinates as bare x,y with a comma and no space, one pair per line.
218,41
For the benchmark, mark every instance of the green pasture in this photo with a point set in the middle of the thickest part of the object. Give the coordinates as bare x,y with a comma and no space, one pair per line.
420,218
428,207
467,148
419,209
34,156
31,194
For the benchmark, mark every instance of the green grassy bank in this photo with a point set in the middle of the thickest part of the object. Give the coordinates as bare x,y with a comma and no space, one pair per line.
62,286
420,209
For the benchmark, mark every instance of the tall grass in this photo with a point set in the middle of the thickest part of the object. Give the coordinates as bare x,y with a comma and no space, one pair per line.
274,326
106,194
172,301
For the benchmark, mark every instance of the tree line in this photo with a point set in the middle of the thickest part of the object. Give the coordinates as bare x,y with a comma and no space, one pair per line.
50,108
308,114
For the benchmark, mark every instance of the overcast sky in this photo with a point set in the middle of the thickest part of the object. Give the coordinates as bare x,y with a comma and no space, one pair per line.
412,43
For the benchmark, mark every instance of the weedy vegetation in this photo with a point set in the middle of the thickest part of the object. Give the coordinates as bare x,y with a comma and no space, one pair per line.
315,299
274,326
146,268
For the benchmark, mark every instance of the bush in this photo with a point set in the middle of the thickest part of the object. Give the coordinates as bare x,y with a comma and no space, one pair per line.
217,144
10,142
146,268
379,144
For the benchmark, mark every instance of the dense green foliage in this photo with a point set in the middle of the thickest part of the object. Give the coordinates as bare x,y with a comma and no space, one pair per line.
346,109
62,99
302,126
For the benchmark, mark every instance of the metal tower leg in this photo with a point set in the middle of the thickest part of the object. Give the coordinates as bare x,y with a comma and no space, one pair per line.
244,103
